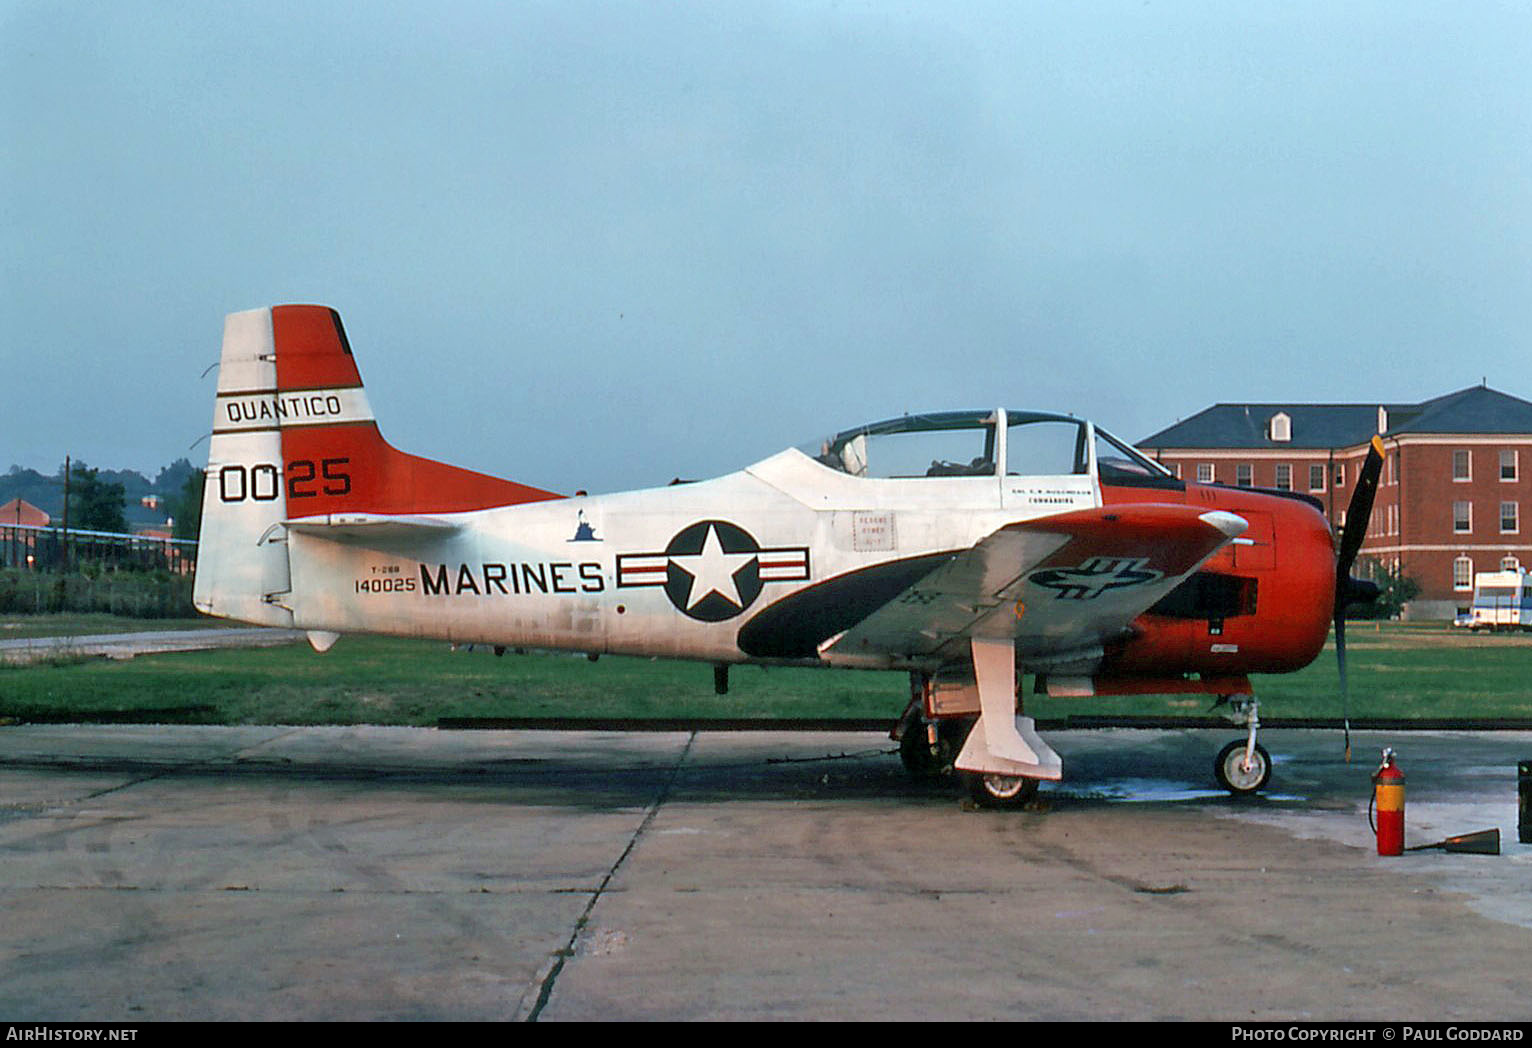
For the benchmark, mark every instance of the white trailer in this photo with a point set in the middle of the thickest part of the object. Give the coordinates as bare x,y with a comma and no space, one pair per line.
1502,600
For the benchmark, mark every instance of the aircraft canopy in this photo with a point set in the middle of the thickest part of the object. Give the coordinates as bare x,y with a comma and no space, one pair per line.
968,444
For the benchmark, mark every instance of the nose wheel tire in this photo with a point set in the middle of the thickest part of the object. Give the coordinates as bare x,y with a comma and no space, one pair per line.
1233,774
1000,791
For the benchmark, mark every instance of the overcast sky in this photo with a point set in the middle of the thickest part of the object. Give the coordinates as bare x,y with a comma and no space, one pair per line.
598,245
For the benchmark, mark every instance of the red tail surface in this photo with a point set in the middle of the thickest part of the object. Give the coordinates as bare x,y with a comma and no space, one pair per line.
334,458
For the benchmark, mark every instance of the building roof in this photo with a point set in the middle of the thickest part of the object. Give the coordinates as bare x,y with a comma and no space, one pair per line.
20,511
1477,409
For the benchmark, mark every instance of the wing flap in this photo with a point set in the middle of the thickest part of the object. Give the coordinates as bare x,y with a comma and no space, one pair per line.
1055,585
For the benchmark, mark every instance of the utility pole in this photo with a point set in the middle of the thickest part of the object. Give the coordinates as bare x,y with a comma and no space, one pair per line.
66,512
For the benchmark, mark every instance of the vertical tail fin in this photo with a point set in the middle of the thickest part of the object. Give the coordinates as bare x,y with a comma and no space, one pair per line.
242,570
294,437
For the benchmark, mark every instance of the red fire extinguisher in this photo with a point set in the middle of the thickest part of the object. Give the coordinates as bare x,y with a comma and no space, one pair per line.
1388,801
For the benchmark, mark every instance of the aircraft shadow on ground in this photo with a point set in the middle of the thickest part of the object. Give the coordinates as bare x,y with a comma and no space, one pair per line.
1093,779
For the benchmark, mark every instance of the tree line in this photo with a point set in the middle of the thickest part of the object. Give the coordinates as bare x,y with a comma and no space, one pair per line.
98,499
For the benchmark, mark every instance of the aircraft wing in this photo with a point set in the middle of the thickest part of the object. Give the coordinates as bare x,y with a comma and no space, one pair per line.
1060,585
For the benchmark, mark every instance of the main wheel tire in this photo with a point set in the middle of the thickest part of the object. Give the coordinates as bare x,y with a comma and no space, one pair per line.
1000,791
922,764
1233,776
915,753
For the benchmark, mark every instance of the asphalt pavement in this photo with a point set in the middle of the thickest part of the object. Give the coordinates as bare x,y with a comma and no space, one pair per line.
394,873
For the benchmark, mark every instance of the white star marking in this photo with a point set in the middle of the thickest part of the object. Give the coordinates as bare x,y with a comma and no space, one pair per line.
712,571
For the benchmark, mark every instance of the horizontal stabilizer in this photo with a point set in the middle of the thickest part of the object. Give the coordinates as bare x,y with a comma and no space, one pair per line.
363,527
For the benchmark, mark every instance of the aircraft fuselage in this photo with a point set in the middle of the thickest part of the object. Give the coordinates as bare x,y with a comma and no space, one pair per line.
689,571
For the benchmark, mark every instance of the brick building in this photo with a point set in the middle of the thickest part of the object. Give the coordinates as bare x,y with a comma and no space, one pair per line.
1453,493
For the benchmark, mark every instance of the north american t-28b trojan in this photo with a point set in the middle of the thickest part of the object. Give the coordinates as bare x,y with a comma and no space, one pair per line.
964,547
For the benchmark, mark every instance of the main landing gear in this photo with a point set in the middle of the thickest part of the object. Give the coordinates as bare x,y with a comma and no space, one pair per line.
929,748
971,724
988,790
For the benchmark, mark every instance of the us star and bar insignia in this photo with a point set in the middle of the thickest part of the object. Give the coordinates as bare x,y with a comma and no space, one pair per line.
713,570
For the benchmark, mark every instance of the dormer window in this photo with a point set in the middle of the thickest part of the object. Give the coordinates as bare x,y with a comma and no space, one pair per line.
1280,428
1382,419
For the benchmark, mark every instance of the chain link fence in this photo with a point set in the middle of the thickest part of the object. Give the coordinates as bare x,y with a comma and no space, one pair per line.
45,570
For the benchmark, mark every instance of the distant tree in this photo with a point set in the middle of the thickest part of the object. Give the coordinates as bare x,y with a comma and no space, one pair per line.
46,493
133,483
95,504
186,506
172,478
1395,590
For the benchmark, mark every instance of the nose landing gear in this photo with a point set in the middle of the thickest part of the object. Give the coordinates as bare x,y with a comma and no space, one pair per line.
1243,767
1241,771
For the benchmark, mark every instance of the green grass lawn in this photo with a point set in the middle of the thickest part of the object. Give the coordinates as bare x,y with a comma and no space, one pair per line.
380,680
1397,671
1403,670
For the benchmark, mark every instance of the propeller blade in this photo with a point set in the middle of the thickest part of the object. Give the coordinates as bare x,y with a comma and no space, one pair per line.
1357,516
1345,693
1348,590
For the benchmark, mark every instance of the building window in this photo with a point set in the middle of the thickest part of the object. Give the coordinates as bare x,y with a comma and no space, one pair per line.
1508,518
1284,477
1340,475
1508,464
1462,466
1510,564
1316,478
1462,517
1281,427
1175,469
1392,521
1243,475
1204,473
1462,573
